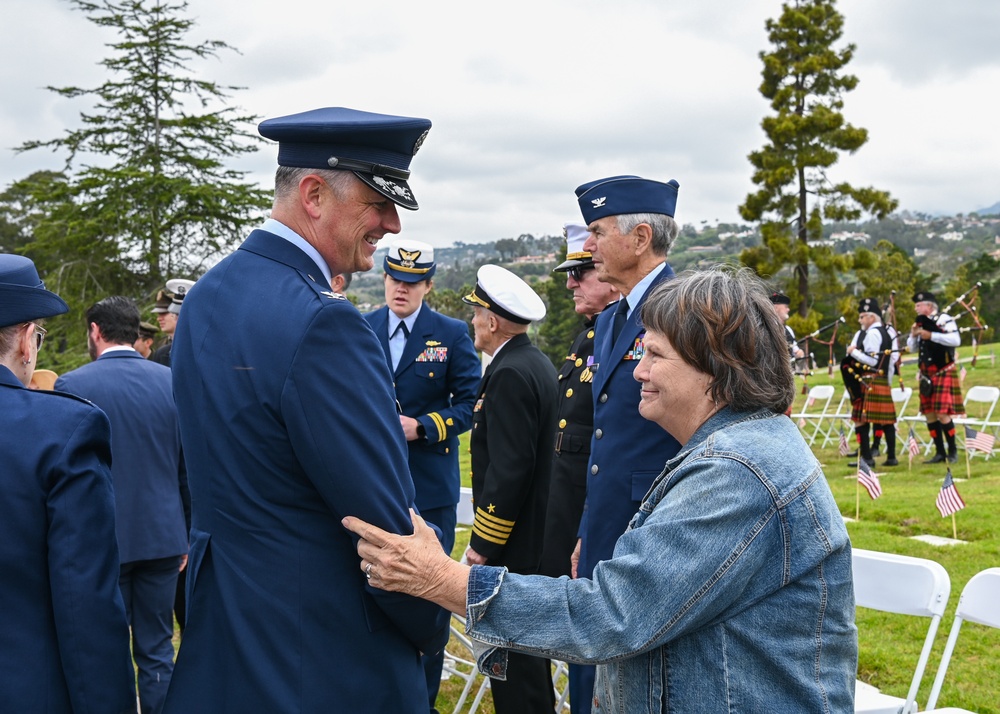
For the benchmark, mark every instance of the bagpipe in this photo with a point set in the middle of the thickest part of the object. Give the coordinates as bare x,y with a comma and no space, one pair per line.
814,335
967,301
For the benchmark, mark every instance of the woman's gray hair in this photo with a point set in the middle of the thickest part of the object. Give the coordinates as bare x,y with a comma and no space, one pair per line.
8,339
664,227
721,322
286,180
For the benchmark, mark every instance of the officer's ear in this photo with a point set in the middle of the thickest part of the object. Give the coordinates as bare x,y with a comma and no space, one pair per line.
642,237
313,193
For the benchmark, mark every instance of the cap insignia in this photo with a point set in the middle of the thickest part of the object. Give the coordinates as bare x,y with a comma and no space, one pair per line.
409,257
599,202
392,186
420,141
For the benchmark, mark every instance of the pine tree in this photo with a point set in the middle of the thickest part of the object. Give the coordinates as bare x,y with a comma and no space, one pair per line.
802,78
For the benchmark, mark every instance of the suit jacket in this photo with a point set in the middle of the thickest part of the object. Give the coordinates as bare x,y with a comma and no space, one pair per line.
147,465
64,644
289,423
627,452
513,431
436,381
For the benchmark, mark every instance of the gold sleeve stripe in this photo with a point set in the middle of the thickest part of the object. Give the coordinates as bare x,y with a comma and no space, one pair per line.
487,528
439,423
493,520
487,536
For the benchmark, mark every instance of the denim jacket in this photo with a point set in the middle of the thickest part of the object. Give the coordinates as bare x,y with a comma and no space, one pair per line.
731,590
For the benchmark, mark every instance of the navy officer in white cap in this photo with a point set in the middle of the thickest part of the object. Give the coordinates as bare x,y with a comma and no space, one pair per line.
632,227
513,434
435,370
289,422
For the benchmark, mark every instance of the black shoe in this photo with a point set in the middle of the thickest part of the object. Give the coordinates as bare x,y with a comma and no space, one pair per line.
890,462
854,464
937,459
876,451
952,458
852,454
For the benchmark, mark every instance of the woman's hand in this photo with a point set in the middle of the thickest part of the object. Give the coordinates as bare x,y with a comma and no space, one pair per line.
415,565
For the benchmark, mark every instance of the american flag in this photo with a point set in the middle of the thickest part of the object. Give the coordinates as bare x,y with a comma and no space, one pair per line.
912,445
845,449
948,500
962,375
979,440
868,479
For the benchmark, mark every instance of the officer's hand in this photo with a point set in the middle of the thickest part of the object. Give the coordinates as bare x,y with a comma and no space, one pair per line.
409,425
574,559
474,558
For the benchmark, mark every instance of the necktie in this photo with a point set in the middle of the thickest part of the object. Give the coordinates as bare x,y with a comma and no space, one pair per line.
397,342
619,320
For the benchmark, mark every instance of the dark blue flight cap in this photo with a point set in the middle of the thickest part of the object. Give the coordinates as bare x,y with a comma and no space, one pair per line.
620,195
376,147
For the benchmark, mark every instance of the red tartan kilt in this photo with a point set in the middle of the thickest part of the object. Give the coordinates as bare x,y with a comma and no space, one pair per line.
877,406
947,396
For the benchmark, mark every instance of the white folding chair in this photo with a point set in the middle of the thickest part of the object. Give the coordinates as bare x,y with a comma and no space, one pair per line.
906,586
812,421
981,400
900,400
466,514
980,603
460,661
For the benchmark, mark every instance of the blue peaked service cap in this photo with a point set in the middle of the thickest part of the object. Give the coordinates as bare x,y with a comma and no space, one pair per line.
378,148
619,195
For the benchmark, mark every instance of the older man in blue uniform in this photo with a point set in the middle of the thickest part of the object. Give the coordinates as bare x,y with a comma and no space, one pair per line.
631,223
289,423
64,646
435,370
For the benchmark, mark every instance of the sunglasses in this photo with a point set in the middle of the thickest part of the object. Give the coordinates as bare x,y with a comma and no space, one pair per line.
40,333
577,272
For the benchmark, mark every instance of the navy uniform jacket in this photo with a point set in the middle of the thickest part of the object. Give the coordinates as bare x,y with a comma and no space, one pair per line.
436,381
289,423
148,469
627,452
64,644
513,429
575,426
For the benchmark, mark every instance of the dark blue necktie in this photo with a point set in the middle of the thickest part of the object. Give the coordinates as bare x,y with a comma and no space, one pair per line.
619,321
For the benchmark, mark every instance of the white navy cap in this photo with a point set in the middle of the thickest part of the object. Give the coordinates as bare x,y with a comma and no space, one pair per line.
178,288
576,235
409,261
502,292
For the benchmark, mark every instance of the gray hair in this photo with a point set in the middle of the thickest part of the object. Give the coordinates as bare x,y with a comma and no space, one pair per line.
665,229
8,339
287,178
721,322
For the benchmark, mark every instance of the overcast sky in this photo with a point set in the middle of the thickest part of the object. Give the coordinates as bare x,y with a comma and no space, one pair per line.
530,98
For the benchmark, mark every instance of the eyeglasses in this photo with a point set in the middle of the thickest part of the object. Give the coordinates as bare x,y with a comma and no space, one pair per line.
40,333
577,272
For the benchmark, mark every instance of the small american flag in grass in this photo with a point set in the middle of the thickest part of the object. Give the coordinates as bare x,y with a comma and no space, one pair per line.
948,500
912,445
845,449
979,440
868,479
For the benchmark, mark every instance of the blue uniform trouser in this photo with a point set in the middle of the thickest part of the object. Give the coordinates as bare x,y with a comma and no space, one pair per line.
148,588
581,687
445,518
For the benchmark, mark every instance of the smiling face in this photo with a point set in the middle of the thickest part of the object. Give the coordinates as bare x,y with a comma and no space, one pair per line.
350,225
674,394
404,298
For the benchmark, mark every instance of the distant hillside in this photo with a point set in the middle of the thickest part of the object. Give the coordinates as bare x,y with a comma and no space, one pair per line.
993,210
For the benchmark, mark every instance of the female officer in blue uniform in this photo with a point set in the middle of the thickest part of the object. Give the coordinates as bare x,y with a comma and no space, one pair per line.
65,643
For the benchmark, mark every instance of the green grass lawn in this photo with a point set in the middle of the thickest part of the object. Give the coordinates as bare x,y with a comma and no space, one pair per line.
889,645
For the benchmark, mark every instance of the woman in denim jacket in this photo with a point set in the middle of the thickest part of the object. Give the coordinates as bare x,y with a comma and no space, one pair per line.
731,590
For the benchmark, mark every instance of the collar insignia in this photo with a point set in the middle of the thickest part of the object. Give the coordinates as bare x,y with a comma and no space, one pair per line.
330,294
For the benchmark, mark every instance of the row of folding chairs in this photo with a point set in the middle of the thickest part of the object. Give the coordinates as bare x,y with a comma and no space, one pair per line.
819,419
906,585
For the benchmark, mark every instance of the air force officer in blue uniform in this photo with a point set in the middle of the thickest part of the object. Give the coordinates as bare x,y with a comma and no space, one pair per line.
436,372
289,423
631,230
64,643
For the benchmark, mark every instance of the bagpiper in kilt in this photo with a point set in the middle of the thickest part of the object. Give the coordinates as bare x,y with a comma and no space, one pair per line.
934,336
872,353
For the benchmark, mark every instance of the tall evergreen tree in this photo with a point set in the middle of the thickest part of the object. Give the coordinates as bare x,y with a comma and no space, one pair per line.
147,185
803,81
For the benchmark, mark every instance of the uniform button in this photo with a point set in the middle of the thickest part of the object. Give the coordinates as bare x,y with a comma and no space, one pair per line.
590,334
594,469
579,362
430,374
562,423
569,392
604,398
447,450
599,433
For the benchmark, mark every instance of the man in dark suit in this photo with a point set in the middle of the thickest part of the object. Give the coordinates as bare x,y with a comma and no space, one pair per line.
513,430
436,371
631,230
575,413
149,479
64,646
289,423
